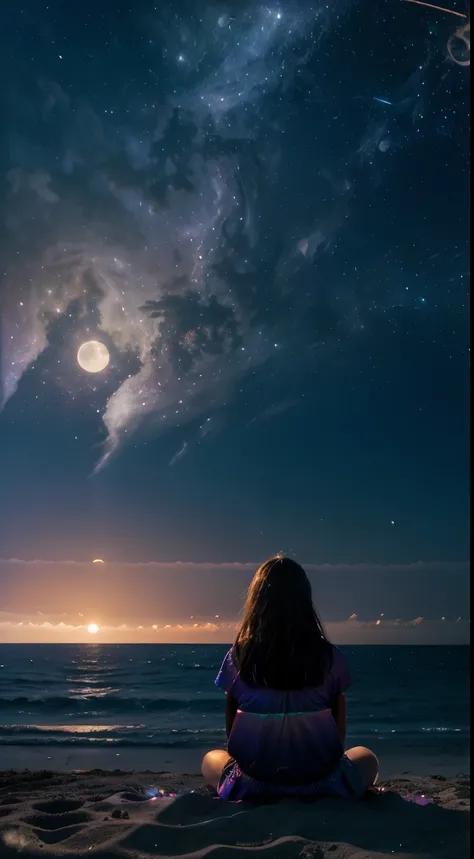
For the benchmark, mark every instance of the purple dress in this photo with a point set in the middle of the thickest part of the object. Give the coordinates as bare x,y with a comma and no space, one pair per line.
279,738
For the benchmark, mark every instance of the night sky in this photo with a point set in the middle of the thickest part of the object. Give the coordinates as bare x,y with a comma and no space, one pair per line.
262,211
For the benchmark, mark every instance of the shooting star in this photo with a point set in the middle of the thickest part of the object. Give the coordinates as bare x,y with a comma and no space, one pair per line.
439,8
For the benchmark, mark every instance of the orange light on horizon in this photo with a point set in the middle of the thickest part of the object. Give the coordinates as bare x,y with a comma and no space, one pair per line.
93,628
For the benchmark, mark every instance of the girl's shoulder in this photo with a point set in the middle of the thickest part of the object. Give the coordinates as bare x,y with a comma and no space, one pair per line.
337,678
228,672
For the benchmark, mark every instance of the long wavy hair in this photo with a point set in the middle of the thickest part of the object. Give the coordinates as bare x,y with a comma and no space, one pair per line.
281,642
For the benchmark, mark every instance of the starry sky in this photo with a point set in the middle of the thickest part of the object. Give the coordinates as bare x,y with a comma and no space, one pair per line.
262,212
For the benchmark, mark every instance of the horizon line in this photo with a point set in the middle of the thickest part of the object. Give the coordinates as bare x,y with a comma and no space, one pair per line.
208,644
241,564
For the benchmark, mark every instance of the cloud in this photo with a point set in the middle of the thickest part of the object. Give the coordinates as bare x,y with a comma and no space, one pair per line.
156,601
456,567
38,182
13,629
207,632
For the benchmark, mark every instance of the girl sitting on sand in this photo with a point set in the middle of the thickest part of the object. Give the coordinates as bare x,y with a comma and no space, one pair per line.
286,708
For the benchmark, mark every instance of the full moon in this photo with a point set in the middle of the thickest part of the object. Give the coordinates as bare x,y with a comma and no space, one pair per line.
93,356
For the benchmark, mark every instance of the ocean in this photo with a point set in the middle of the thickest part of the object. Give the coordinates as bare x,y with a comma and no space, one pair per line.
163,696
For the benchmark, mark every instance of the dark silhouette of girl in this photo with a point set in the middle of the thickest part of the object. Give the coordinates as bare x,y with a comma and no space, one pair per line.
286,708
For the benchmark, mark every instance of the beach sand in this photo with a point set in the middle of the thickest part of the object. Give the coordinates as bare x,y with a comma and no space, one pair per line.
110,814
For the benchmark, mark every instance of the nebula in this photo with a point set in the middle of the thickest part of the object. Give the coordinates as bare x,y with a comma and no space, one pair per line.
153,220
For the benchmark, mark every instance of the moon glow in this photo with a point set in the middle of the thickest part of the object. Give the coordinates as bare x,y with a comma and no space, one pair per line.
93,356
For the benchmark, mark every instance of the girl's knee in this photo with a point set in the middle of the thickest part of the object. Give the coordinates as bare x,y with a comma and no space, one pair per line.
367,763
208,763
371,767
212,765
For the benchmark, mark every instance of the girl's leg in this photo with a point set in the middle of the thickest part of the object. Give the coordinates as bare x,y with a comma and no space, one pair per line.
367,764
212,765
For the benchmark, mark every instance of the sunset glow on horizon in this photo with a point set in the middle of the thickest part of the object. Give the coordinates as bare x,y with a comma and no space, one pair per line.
179,602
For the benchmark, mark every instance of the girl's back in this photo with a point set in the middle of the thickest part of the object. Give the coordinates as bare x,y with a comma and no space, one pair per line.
281,735
262,699
285,684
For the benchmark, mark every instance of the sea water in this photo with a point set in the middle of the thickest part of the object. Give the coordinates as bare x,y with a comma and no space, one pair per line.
164,696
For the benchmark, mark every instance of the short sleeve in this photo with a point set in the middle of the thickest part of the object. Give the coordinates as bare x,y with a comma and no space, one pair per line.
227,673
339,676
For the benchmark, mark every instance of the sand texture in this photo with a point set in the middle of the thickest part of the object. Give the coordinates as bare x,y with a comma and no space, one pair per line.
107,815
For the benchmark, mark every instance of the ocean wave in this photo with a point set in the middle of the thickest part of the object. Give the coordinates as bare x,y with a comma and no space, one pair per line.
366,729
134,735
36,681
177,740
196,666
140,736
125,736
70,730
112,704
89,742
86,674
